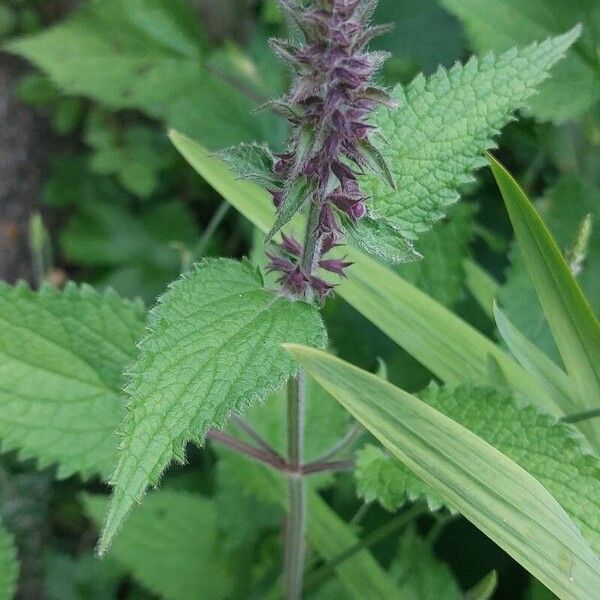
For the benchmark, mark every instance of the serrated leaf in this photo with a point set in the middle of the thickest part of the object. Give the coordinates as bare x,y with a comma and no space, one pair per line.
499,24
9,567
574,325
171,545
553,452
381,478
376,237
497,495
61,359
422,326
250,161
419,573
436,138
152,55
212,348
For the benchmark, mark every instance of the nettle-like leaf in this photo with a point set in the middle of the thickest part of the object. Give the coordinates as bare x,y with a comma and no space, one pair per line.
554,453
499,24
152,55
171,545
435,139
61,360
250,161
9,567
212,348
376,237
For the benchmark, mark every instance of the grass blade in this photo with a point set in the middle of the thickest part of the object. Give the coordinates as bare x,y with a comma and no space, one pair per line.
489,489
574,326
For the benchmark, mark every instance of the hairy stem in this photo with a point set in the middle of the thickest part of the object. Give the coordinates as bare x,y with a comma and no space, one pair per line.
311,239
263,456
295,544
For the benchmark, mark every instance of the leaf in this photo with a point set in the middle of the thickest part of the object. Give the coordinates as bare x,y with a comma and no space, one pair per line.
552,377
380,477
440,273
419,573
379,239
563,207
489,489
250,161
139,251
9,567
422,326
81,578
483,287
499,24
61,359
443,125
171,545
361,575
152,55
553,452
212,348
574,326
485,589
412,39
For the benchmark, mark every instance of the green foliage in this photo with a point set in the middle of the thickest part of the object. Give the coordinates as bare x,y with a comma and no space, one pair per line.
81,578
574,325
443,124
136,156
502,499
441,273
141,252
212,348
62,356
9,567
171,545
411,18
563,208
151,55
419,324
499,24
553,452
382,478
379,239
419,573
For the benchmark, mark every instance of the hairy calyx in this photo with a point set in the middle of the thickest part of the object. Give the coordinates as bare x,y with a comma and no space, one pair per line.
328,106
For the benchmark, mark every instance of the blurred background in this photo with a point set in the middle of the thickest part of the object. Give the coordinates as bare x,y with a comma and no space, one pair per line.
92,191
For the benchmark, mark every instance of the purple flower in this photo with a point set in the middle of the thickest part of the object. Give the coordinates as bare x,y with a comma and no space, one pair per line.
328,106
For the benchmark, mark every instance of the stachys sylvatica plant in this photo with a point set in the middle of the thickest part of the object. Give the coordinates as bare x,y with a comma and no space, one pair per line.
365,170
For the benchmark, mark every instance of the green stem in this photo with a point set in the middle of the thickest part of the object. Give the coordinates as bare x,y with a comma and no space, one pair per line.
212,226
295,533
583,416
320,576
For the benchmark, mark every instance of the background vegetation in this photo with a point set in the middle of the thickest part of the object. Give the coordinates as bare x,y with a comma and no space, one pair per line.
93,191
